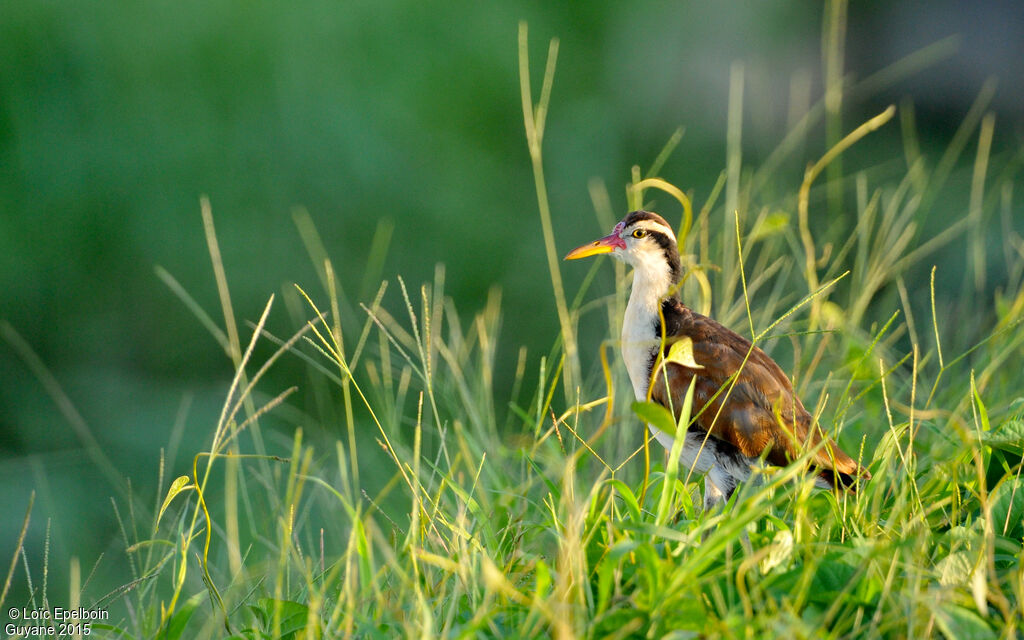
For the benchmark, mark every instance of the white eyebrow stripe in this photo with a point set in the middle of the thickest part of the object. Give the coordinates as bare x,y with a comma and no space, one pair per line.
651,225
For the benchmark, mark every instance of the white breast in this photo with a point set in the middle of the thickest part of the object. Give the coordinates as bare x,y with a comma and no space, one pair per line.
640,339
639,342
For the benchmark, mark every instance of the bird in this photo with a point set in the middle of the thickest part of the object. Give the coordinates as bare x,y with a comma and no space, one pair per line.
745,406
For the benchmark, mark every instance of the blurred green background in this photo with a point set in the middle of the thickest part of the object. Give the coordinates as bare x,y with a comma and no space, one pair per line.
115,117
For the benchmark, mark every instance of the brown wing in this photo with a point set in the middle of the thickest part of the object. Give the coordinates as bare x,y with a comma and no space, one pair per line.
760,413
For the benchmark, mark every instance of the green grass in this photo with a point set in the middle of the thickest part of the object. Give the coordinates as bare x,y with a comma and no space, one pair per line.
433,503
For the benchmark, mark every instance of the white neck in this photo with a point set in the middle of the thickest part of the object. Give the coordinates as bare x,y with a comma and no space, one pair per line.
651,281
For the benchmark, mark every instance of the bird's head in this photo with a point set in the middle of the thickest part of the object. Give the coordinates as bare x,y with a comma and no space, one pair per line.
642,240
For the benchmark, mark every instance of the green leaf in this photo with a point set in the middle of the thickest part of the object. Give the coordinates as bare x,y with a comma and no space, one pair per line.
779,552
179,485
293,616
832,576
1008,508
955,569
679,438
543,580
262,615
770,225
605,578
1008,436
540,472
176,625
655,415
628,497
961,623
982,411
620,549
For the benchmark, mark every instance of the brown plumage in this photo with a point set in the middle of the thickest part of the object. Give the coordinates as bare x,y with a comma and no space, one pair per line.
757,413
743,409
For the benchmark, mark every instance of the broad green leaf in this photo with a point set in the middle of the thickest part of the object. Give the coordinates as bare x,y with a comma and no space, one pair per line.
605,578
833,575
262,615
1008,436
628,497
180,484
780,551
176,625
543,580
955,569
293,616
649,567
1008,508
961,623
655,415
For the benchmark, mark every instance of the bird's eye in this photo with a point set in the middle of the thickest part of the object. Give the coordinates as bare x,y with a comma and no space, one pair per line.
639,233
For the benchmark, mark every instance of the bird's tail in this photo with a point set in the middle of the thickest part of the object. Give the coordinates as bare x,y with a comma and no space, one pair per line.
838,480
836,470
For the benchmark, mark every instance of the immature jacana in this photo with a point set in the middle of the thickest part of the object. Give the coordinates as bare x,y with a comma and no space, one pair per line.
757,415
